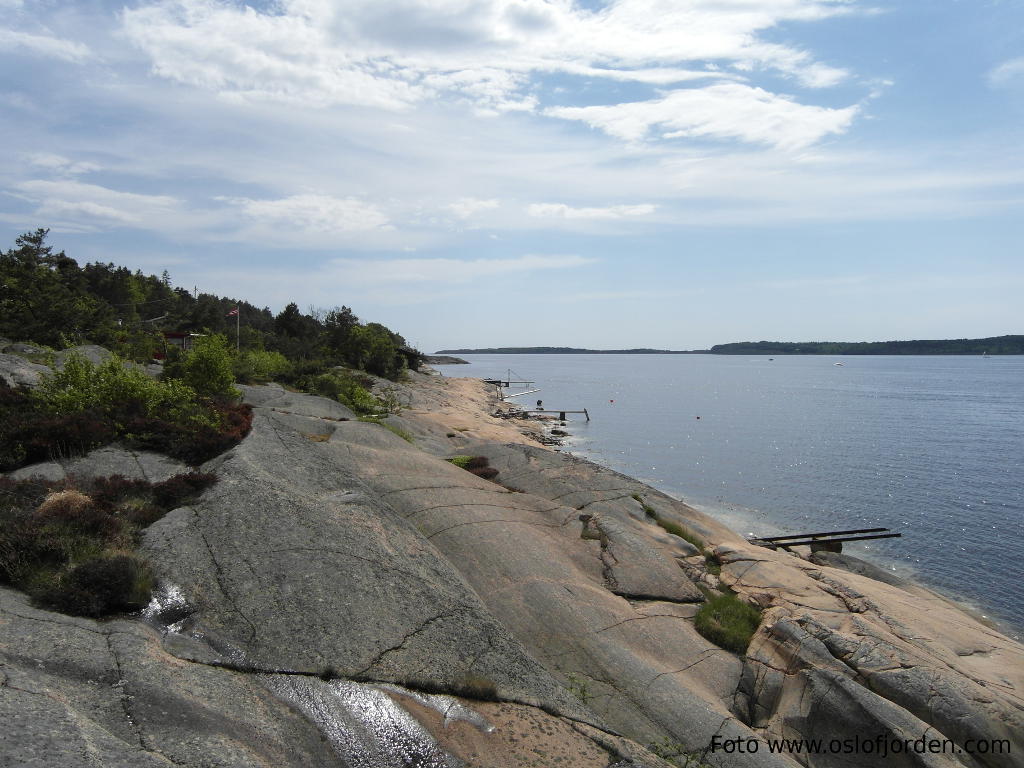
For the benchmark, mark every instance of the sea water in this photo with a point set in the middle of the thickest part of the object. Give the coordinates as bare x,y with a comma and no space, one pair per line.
931,447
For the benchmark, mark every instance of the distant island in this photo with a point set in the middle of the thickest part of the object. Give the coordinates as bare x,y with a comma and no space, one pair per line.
993,345
564,351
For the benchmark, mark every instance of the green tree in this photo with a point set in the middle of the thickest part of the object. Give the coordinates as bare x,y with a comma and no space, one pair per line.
43,299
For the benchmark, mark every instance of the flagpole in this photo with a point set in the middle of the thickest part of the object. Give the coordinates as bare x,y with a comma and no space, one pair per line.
238,328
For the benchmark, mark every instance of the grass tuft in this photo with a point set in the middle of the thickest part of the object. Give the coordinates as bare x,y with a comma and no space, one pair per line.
728,622
677,530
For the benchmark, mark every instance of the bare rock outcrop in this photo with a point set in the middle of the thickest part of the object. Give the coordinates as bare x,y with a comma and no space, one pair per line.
900,662
103,462
16,371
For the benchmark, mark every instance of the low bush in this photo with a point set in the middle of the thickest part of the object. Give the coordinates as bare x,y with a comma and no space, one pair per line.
206,368
70,547
476,465
728,622
349,389
110,389
87,406
110,583
257,365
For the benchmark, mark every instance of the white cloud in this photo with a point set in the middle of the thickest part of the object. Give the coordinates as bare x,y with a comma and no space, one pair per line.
60,164
445,271
466,207
728,110
562,211
314,213
489,54
1007,72
91,207
44,45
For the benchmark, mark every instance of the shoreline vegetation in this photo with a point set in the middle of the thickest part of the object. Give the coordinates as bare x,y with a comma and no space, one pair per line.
993,345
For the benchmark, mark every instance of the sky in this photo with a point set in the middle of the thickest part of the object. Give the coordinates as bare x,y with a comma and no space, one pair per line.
603,174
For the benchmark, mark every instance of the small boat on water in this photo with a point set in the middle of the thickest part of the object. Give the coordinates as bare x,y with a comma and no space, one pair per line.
837,364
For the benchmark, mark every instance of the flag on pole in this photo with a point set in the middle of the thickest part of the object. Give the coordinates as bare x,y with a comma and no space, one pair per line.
232,313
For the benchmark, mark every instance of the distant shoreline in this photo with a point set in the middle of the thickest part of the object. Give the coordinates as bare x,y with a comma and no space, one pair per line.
994,345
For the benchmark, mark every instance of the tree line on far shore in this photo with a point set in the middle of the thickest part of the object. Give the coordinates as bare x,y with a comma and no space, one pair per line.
996,345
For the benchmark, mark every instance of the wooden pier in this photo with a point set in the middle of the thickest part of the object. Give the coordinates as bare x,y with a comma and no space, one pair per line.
829,541
552,411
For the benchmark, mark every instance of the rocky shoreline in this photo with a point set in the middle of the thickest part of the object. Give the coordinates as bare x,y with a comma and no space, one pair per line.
344,596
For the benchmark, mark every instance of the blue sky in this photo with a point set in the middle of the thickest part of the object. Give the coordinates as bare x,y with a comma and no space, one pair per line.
537,172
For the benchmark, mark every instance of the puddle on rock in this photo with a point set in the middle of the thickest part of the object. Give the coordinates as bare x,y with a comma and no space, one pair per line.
366,727
449,706
168,607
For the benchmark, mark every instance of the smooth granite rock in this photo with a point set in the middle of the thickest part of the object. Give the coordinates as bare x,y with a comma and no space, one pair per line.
94,353
76,692
317,599
16,371
293,564
104,462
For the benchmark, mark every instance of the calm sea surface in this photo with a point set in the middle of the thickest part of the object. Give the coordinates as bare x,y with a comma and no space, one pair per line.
929,446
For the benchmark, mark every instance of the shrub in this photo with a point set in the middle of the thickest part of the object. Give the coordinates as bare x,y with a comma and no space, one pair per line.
206,368
476,465
175,491
348,389
76,511
727,622
111,583
254,365
70,547
113,391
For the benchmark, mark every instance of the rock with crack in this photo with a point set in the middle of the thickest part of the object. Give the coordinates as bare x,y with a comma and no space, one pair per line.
293,564
78,693
634,567
643,668
897,660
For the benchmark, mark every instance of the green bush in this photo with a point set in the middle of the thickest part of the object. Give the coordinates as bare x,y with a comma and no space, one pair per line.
348,389
256,365
728,622
206,368
107,388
